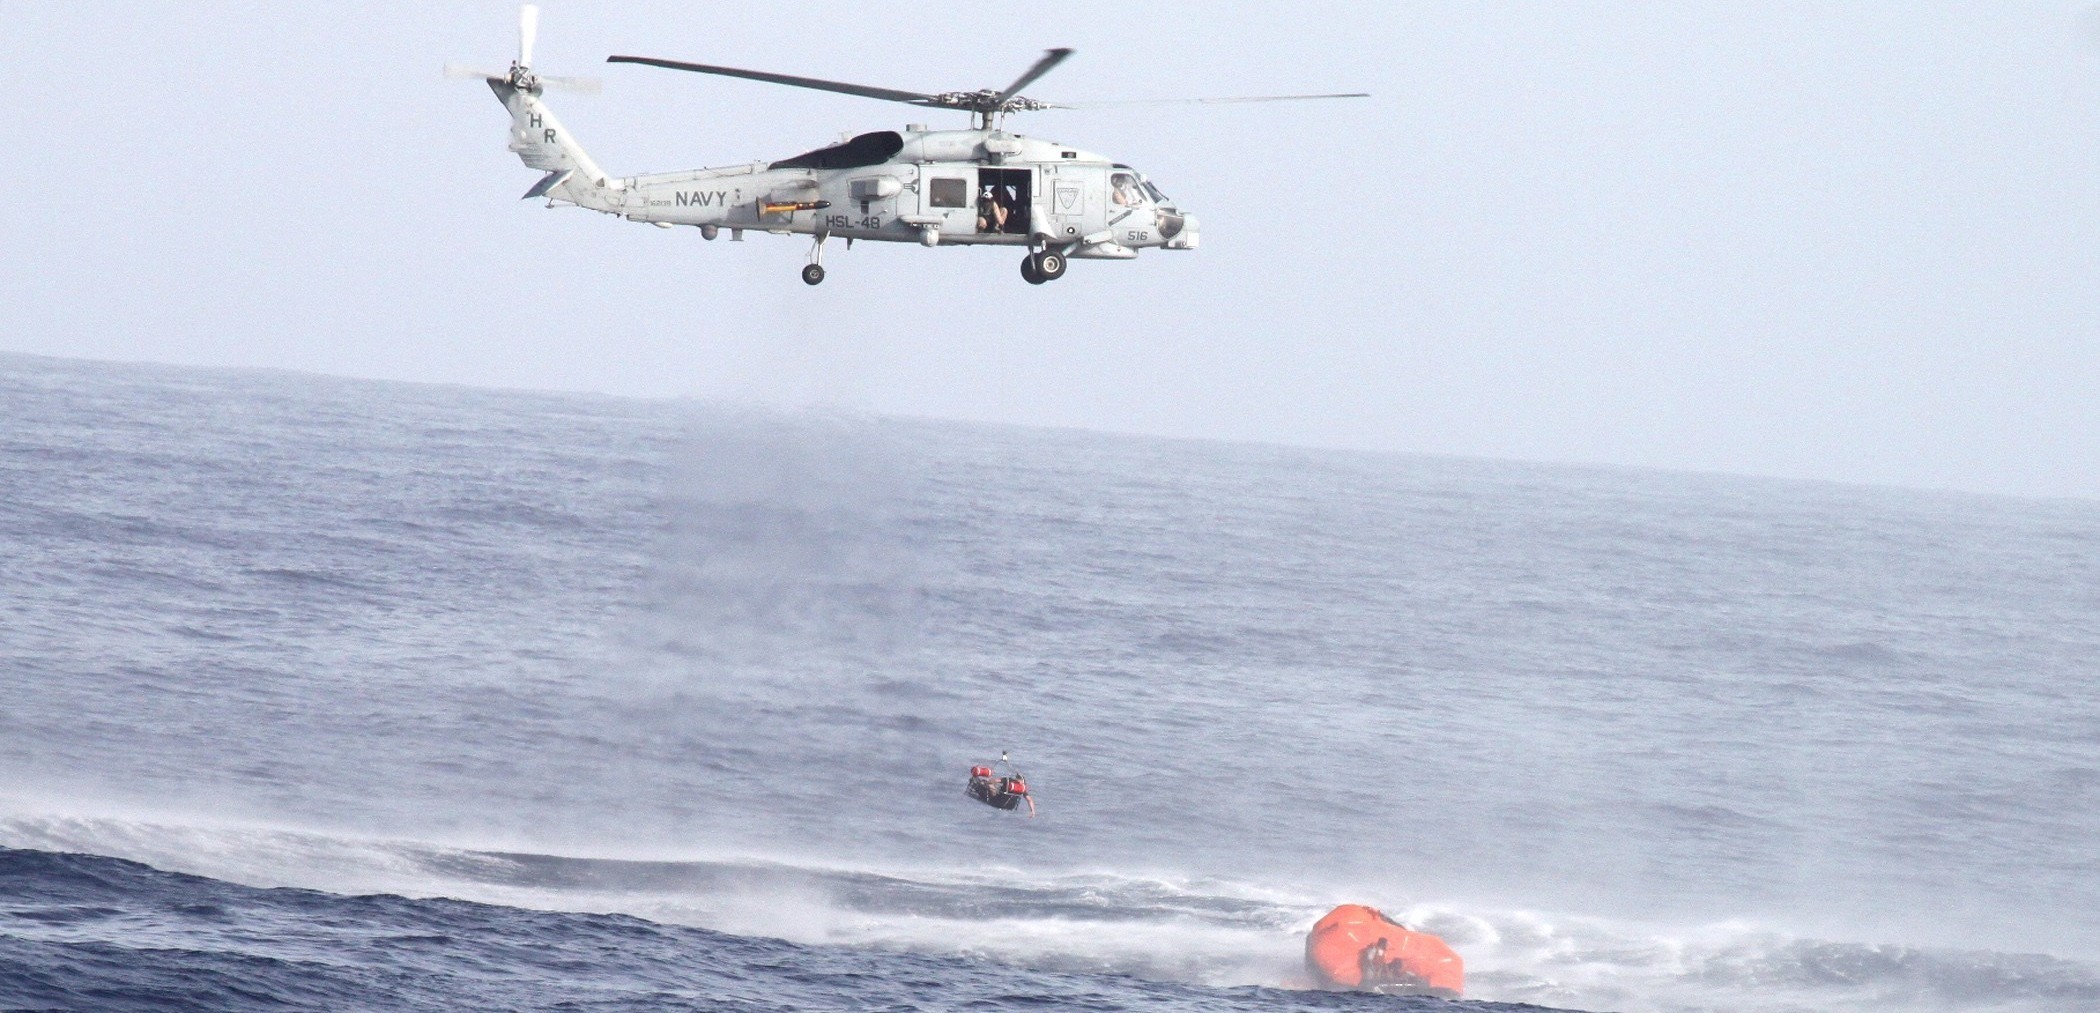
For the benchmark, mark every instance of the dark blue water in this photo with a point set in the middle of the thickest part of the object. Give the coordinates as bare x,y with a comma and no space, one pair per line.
92,933
675,700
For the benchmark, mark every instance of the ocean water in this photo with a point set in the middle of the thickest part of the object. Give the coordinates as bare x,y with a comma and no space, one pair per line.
334,694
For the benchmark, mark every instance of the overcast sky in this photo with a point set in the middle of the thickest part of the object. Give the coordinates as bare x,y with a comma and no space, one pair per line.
1845,241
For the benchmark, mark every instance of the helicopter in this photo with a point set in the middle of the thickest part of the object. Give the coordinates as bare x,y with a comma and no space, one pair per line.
981,186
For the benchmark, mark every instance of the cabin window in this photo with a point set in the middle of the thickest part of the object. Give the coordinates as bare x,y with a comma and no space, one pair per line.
949,193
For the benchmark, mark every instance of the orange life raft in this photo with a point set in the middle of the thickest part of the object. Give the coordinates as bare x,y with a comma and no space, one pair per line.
1343,951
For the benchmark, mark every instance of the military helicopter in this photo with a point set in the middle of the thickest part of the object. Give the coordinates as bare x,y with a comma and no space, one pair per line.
977,187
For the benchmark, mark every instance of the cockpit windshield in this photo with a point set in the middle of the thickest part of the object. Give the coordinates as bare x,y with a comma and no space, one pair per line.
1128,187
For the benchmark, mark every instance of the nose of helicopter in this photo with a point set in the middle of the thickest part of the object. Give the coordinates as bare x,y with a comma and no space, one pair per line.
1179,230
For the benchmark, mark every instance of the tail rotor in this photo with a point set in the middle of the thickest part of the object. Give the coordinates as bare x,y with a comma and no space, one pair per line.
537,136
521,75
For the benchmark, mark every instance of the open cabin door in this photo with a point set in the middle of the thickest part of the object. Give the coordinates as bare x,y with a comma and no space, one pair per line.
1005,202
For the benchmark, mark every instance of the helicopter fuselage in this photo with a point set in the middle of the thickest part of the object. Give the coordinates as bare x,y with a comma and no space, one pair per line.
934,187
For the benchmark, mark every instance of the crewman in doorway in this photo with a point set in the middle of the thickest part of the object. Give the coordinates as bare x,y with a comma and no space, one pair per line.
991,211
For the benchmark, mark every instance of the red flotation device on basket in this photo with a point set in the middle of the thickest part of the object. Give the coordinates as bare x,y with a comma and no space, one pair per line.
999,792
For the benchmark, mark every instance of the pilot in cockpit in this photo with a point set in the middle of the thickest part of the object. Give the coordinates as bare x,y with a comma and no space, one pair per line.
1123,189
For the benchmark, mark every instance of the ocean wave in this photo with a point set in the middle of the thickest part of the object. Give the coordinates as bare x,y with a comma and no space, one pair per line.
89,932
1210,932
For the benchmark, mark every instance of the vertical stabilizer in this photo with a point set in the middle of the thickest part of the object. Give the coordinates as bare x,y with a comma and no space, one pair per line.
540,141
536,136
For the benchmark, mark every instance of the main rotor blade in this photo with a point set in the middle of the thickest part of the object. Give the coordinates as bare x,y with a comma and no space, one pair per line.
865,91
1204,101
1051,58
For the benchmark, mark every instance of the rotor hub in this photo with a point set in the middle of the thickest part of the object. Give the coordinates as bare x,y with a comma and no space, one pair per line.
985,100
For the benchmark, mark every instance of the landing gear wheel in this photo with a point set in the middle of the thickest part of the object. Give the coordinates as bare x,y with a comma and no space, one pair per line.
812,274
1050,264
1028,271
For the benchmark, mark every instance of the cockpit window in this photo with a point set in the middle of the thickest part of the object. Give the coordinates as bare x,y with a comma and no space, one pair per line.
1157,197
1123,189
867,149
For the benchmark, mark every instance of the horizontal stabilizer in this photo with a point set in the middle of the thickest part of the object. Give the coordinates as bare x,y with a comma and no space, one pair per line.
548,182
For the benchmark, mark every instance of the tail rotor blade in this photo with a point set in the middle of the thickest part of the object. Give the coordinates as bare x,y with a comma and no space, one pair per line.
581,85
528,28
461,70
